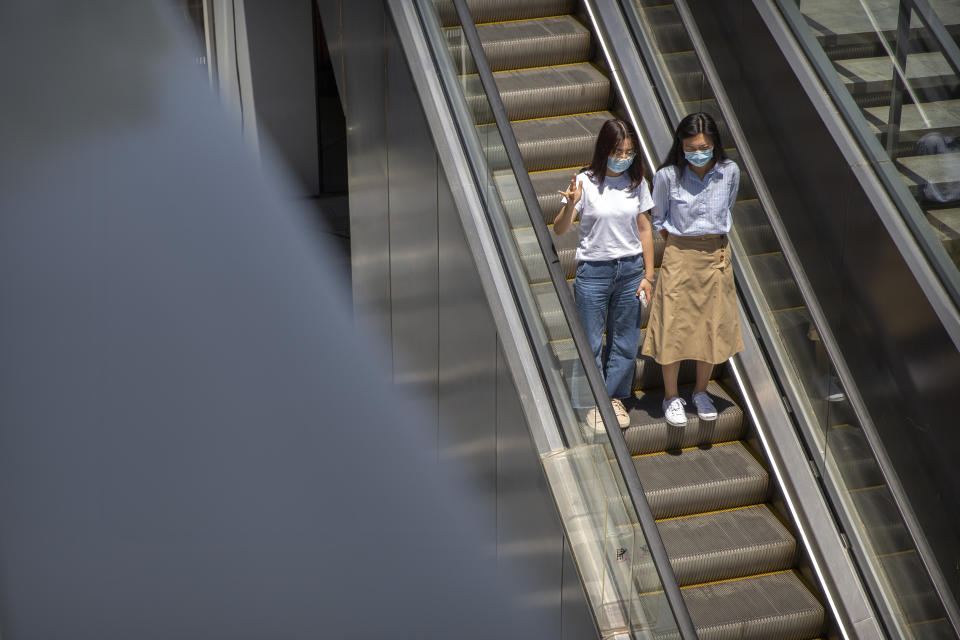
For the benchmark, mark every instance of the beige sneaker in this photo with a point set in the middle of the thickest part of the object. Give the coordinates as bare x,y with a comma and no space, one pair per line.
622,416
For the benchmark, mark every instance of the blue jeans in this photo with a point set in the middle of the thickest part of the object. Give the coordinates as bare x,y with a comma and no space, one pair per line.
605,293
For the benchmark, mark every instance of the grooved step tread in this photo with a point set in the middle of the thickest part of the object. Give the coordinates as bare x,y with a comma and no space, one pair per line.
555,142
500,10
547,91
727,544
776,606
698,480
527,43
918,120
649,432
875,74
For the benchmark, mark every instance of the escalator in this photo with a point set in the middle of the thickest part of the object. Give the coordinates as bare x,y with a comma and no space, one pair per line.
746,558
734,553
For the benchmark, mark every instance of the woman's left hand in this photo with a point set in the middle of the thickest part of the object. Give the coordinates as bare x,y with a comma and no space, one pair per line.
647,289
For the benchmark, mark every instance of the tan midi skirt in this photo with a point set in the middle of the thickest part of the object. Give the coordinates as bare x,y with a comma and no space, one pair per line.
694,314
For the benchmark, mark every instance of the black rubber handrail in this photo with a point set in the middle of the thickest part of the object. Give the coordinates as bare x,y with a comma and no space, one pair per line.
634,488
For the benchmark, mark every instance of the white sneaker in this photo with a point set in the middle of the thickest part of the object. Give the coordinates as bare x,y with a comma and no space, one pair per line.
621,411
674,412
594,423
705,408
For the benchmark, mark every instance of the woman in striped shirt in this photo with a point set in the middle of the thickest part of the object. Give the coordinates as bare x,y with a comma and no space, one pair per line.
694,314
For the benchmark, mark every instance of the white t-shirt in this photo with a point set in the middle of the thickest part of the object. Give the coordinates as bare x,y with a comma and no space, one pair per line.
608,217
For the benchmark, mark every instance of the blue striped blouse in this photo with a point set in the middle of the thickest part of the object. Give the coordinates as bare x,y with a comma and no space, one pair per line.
685,205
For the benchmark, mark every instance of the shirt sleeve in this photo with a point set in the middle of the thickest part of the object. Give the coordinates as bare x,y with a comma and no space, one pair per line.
661,197
734,184
643,196
579,206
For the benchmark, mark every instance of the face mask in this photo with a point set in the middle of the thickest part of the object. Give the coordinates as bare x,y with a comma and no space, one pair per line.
619,165
698,158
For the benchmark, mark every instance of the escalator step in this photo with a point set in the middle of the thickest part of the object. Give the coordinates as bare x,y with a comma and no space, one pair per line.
553,143
941,117
946,224
698,480
649,432
528,43
776,606
882,520
727,544
755,232
497,10
553,91
941,170
687,75
668,30
855,461
874,75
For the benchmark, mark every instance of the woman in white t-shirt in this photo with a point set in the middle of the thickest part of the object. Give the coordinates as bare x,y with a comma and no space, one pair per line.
614,256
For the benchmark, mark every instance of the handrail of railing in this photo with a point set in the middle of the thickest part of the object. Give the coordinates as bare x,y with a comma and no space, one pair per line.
945,272
817,315
638,499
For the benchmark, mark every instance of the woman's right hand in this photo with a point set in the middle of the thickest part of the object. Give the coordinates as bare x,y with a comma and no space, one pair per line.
573,192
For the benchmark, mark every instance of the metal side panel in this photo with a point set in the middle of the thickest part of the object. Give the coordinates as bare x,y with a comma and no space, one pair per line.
482,245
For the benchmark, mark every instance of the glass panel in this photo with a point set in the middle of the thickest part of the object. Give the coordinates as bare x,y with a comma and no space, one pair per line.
607,542
907,96
852,474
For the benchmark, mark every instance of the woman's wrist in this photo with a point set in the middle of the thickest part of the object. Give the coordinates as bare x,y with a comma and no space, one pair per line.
650,280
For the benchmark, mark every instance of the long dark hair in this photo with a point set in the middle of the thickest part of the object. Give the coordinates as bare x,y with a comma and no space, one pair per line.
612,133
690,126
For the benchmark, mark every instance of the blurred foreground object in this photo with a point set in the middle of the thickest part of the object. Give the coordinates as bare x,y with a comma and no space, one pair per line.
194,443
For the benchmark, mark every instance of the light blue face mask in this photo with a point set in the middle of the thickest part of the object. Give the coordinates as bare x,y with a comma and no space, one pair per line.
619,165
698,158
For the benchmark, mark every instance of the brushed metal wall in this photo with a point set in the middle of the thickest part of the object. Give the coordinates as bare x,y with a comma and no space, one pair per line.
414,279
892,339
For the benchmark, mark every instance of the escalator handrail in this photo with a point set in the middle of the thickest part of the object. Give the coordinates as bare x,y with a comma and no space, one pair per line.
817,315
634,488
945,273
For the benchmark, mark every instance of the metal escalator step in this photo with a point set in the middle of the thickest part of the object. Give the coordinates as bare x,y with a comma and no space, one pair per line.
881,519
552,143
941,170
499,10
776,281
941,117
873,75
849,447
698,480
528,43
668,30
543,92
727,544
649,432
906,575
776,606
754,230
946,224
687,75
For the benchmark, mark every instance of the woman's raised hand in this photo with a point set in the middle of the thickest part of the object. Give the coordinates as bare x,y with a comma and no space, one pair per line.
574,191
